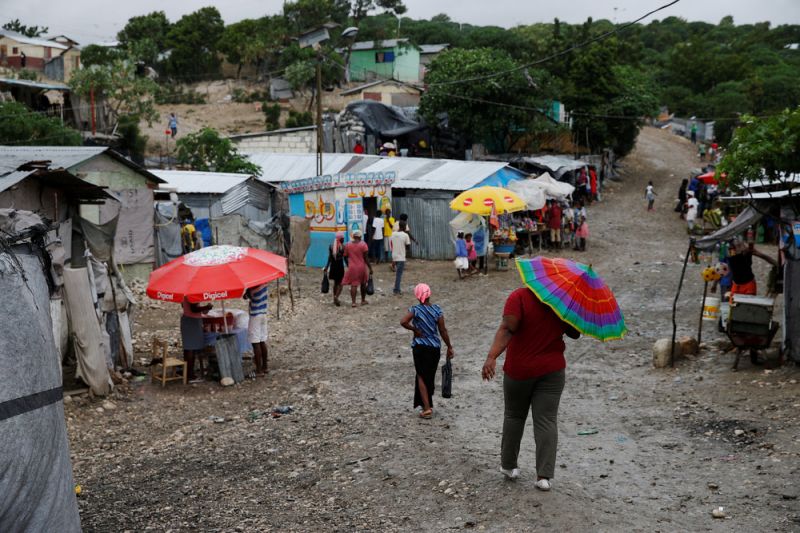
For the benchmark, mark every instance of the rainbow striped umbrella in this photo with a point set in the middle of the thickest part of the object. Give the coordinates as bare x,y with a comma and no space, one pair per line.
576,294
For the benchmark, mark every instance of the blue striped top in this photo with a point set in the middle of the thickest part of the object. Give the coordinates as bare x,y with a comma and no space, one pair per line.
426,319
259,300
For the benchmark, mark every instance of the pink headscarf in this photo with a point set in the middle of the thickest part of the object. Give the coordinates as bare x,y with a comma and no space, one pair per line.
337,243
422,292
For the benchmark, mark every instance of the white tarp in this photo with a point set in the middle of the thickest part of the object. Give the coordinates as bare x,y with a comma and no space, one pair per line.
532,193
134,240
86,336
553,188
469,223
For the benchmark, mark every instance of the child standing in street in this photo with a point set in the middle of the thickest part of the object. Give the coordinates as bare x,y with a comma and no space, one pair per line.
462,261
472,254
650,195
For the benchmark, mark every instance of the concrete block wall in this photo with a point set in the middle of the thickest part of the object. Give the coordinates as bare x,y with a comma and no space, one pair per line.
295,142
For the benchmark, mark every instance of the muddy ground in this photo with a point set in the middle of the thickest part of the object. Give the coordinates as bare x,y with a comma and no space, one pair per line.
671,444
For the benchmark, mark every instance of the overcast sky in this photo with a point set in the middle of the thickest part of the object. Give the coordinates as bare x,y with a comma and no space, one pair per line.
97,20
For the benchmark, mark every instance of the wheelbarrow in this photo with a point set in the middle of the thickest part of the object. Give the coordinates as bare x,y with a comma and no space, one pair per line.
750,326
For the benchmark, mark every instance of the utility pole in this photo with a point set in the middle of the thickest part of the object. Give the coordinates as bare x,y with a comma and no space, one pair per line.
319,115
94,123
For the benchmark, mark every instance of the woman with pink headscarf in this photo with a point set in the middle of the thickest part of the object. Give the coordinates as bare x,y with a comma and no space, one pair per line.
335,267
426,320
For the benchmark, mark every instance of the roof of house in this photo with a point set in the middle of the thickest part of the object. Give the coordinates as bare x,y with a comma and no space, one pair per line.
766,195
432,48
59,179
35,84
412,172
35,41
373,45
13,157
356,90
61,38
192,181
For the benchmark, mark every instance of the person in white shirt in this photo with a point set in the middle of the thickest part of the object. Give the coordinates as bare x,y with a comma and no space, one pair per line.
376,246
398,243
691,210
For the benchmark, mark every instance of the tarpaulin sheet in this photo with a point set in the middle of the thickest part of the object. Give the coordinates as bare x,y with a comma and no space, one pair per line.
86,335
746,218
204,228
36,483
552,187
469,223
99,238
168,232
383,120
134,240
531,193
229,358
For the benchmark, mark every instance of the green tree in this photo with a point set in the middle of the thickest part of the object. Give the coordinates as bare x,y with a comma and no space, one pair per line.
21,126
304,15
300,74
126,93
145,36
207,151
98,55
763,148
272,115
299,119
253,41
192,43
28,31
497,111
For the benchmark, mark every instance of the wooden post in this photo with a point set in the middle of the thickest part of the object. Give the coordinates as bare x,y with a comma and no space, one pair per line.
675,304
289,281
702,310
278,284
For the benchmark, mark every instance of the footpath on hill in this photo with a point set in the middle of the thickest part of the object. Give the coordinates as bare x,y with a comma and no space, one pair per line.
671,445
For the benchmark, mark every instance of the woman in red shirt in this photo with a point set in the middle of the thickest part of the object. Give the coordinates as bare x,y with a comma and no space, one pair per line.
533,379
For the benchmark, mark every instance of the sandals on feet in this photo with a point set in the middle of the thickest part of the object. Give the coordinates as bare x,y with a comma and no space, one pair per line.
426,414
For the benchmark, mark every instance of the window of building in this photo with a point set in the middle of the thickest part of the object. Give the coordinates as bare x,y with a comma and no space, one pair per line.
384,57
15,50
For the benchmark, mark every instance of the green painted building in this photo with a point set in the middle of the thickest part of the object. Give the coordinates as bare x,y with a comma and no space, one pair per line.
395,59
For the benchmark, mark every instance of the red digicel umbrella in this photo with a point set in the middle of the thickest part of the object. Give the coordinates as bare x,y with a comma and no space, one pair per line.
709,178
214,273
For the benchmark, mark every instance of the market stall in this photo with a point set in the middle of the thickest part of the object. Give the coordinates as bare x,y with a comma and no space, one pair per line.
218,273
491,202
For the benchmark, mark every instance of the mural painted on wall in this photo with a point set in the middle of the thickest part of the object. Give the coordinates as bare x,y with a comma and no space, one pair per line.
320,208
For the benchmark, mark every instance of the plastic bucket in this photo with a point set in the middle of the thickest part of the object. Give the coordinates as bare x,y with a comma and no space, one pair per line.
711,309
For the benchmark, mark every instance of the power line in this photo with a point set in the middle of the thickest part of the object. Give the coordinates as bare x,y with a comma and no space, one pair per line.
583,44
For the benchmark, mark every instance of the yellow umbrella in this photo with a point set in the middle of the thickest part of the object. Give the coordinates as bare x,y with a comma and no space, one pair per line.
479,201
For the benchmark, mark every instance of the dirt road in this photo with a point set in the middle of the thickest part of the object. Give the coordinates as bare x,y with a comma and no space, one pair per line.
671,445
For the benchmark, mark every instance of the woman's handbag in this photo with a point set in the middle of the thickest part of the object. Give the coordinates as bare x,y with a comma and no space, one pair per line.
370,287
326,284
447,379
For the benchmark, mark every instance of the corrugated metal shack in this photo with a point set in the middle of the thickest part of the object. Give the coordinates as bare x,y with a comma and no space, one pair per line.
422,188
216,194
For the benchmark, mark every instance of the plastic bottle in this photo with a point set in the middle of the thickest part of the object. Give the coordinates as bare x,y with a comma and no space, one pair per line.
750,236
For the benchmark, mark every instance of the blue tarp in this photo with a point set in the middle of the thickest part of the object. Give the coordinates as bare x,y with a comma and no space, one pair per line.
202,225
502,177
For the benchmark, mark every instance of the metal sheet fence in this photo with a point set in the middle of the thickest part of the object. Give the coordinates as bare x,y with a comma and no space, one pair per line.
429,219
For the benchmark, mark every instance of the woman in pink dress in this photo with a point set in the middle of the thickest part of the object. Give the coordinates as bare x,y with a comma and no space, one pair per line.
359,268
